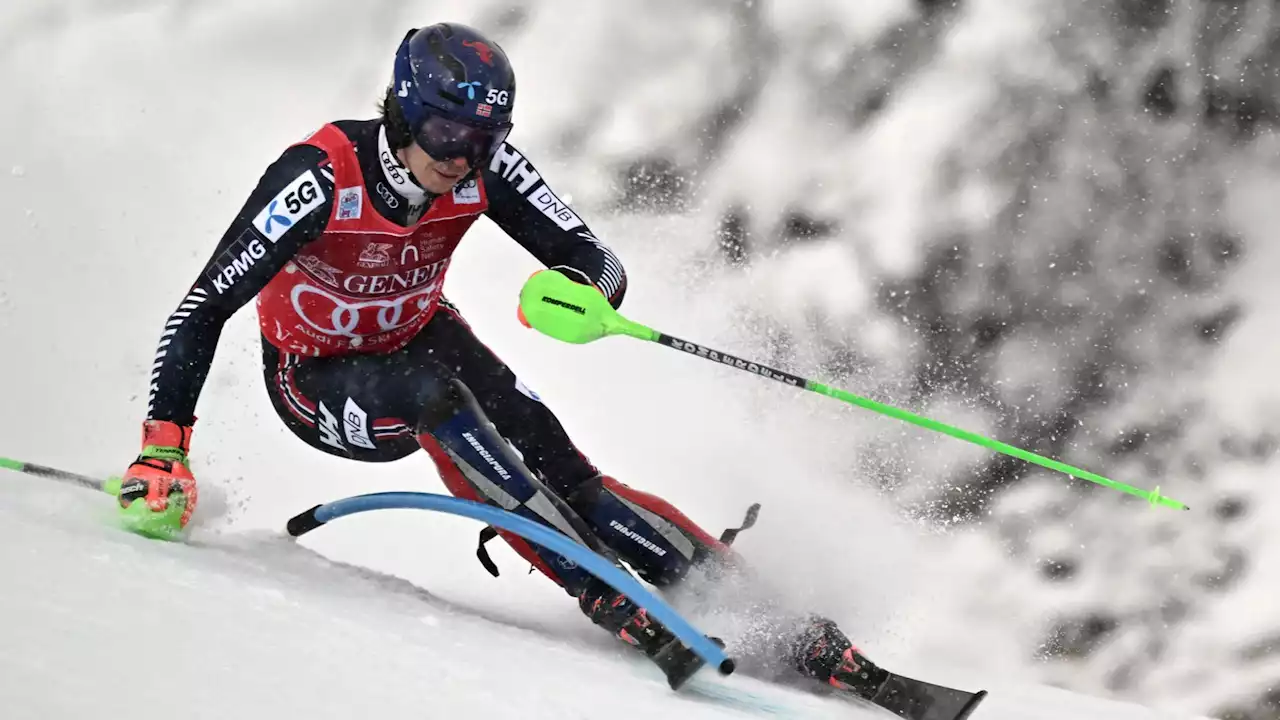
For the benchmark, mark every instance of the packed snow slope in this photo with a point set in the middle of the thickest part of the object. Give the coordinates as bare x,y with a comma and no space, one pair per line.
1048,222
108,625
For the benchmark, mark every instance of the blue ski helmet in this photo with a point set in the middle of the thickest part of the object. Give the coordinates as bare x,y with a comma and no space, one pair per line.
455,91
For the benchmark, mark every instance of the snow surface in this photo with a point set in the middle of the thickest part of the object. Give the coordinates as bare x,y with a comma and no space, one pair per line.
103,624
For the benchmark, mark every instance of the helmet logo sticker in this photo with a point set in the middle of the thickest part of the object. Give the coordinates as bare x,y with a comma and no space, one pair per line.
471,88
482,49
404,89
483,110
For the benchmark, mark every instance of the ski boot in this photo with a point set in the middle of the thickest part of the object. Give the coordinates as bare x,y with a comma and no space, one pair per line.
821,651
631,623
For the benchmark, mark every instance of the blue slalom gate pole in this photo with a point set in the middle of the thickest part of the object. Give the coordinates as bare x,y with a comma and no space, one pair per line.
552,540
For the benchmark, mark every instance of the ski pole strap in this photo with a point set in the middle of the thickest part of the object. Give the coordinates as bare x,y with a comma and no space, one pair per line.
486,535
161,452
728,536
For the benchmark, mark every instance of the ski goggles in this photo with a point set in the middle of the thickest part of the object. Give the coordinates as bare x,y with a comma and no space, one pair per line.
445,139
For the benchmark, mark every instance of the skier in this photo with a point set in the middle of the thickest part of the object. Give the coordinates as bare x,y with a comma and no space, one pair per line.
344,244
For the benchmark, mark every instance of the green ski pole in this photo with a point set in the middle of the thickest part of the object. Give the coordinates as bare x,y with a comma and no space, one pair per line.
575,313
136,518
111,485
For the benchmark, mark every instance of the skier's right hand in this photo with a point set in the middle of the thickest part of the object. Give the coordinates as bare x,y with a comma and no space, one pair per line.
158,493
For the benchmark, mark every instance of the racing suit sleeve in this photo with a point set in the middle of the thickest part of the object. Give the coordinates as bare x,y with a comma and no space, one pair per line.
524,206
289,207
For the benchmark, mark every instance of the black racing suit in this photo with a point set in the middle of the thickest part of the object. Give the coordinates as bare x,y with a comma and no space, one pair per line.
404,388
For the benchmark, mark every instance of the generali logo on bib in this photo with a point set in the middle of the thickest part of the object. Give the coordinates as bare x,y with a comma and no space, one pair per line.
370,278
375,255
367,281
392,283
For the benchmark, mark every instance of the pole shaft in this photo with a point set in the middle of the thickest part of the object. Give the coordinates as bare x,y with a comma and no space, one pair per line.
45,471
732,361
785,378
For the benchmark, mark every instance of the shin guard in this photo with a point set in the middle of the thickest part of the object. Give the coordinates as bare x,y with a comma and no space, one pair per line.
658,541
476,463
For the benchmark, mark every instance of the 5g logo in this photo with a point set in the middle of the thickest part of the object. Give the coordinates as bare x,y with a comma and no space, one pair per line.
495,96
305,195
299,198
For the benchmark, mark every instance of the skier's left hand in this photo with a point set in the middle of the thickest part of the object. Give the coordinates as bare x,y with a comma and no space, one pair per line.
573,274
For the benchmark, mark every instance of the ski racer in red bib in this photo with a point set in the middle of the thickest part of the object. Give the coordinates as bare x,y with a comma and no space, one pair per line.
344,245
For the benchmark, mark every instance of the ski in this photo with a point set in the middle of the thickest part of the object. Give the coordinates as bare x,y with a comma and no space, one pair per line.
919,700
679,663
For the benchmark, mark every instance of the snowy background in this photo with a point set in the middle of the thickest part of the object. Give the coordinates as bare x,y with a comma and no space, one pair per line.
1044,221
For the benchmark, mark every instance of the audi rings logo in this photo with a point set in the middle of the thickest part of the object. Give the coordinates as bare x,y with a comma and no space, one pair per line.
331,315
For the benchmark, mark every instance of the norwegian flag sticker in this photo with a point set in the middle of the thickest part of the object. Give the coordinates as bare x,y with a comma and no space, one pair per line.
483,110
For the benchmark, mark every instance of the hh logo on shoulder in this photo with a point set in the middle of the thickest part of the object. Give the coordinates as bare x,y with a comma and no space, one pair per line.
292,204
467,193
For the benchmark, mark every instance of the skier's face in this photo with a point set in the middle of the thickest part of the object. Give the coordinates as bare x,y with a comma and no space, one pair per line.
437,177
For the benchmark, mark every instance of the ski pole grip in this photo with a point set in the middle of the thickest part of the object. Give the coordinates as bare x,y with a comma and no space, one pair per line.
304,522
